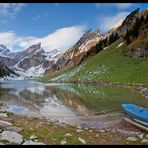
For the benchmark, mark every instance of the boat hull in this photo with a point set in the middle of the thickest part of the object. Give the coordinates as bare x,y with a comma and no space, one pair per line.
136,112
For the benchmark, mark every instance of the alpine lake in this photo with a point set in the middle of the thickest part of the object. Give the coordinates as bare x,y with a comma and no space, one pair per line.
77,104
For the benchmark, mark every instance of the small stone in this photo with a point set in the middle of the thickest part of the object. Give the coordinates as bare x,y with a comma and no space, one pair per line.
140,136
31,129
3,115
102,131
93,127
63,142
132,139
68,135
79,130
144,141
33,137
78,127
14,128
35,140
33,143
146,136
53,139
82,140
97,135
90,131
2,143
4,123
12,137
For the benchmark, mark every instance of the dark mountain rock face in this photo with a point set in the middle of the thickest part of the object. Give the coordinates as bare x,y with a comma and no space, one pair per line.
7,61
5,71
33,57
4,50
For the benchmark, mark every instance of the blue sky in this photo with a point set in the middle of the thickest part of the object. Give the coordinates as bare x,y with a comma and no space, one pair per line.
57,25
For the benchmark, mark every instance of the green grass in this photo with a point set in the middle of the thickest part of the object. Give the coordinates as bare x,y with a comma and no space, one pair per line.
109,65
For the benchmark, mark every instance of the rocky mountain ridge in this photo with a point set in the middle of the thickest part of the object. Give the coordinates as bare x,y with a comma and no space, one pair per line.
89,42
33,60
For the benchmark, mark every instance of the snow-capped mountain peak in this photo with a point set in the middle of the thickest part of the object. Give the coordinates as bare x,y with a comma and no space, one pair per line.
4,50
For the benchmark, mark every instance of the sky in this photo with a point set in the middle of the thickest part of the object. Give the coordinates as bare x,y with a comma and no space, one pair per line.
57,25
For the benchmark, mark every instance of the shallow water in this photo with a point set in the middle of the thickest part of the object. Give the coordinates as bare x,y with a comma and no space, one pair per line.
72,103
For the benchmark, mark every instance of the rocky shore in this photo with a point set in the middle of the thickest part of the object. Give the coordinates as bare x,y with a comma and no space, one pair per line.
143,91
23,130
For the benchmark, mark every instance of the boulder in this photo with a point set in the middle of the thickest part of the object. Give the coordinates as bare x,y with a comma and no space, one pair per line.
12,137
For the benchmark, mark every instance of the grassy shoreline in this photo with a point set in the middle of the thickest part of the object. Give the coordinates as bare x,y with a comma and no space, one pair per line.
53,134
110,66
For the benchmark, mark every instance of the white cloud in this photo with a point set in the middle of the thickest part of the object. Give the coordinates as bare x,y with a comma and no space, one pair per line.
60,39
10,9
108,22
118,5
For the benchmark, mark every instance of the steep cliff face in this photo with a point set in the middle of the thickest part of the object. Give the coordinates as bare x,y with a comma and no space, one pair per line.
5,71
138,37
75,55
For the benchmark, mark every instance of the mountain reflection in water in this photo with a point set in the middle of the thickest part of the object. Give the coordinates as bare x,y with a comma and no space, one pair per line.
69,102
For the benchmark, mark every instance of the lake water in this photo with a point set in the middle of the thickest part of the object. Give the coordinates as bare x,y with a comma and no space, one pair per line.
72,103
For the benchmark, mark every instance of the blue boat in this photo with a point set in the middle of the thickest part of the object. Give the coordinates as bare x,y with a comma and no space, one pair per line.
136,112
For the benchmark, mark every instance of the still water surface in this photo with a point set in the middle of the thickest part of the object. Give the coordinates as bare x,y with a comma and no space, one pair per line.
71,103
